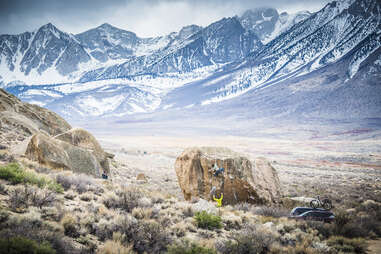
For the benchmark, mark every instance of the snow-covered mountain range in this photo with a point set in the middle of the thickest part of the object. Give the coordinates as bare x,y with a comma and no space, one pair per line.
230,65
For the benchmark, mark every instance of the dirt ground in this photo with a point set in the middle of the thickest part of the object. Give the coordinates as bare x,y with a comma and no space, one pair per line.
346,171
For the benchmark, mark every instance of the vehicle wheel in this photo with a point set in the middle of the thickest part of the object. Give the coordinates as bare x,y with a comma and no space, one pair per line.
327,205
314,204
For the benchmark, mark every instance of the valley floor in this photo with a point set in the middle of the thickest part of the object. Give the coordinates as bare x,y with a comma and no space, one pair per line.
346,171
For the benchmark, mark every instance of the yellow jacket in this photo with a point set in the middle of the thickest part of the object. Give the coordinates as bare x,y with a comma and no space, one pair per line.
218,200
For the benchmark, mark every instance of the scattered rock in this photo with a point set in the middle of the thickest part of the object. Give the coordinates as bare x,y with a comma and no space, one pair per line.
241,181
141,177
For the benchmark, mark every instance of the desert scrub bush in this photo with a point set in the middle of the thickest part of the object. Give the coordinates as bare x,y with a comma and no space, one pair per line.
150,237
275,212
186,247
247,240
15,174
355,226
208,221
86,197
69,222
4,215
188,211
22,197
345,245
142,213
3,189
145,236
243,207
22,245
32,227
80,183
125,199
114,247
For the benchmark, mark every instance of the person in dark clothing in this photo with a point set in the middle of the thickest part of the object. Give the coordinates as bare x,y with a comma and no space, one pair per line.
218,171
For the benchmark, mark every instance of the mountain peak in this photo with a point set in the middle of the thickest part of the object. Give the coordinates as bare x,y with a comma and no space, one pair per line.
48,26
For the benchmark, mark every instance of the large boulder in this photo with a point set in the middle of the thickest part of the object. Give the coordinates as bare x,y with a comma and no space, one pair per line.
241,181
82,138
62,155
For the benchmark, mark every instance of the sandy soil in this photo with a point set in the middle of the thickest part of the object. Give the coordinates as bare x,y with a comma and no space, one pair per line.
343,170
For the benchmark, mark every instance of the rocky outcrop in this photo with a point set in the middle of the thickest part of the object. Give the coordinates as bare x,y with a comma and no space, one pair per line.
241,180
84,139
19,120
62,155
44,136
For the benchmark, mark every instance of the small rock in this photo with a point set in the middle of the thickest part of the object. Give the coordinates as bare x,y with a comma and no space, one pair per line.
203,205
141,177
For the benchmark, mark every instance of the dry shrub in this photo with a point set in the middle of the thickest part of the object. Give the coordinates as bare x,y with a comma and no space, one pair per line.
179,229
87,196
32,227
113,247
81,183
22,197
186,247
142,213
69,222
247,240
275,212
125,199
342,244
146,236
3,189
188,211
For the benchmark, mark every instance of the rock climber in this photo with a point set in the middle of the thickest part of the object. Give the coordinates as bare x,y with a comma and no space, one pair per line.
218,171
218,200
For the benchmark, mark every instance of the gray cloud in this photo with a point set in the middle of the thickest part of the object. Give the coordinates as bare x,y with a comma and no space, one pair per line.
144,17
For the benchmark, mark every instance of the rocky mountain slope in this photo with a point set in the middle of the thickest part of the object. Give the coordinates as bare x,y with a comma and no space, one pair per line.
45,137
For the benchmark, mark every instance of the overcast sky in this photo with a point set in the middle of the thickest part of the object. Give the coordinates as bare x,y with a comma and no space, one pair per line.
144,17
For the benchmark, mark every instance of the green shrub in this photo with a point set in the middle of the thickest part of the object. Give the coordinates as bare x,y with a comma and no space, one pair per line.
15,174
207,221
185,247
21,245
342,244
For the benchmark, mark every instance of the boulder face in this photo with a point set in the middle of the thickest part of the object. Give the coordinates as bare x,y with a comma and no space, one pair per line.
84,139
241,180
62,155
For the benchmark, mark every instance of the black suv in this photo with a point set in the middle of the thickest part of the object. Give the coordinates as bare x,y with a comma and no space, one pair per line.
315,215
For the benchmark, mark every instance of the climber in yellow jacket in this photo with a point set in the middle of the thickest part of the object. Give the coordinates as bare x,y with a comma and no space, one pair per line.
218,200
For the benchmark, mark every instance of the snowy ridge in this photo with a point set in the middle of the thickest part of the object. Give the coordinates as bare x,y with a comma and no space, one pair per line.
107,71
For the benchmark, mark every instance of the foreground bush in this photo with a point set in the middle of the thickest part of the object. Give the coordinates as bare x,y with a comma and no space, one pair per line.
247,240
126,199
81,183
208,221
342,244
185,247
33,228
22,245
145,236
23,197
114,247
15,174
